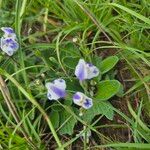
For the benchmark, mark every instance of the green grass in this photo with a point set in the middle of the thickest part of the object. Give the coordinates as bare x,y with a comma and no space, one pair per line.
45,31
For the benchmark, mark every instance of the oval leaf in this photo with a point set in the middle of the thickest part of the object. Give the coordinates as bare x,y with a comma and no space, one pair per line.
71,62
67,123
107,89
108,63
54,118
99,107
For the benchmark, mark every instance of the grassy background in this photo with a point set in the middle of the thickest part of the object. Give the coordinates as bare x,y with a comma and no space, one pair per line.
46,30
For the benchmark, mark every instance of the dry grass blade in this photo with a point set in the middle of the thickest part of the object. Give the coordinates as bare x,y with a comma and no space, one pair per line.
5,92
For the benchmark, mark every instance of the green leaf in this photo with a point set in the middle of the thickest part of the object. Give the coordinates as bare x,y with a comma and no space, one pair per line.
96,60
73,85
107,89
57,107
121,91
71,62
71,50
54,115
99,107
108,63
68,100
68,122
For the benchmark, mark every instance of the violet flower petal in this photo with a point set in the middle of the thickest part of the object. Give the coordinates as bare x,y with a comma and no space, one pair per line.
78,98
80,70
9,45
56,89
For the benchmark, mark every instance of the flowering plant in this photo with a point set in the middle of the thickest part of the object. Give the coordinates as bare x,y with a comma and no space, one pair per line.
85,88
8,42
85,94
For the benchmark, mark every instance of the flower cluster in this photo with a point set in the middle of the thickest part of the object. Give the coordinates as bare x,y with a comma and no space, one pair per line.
8,43
83,70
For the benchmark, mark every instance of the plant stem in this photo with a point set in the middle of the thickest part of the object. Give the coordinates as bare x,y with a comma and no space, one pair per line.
85,137
18,23
84,86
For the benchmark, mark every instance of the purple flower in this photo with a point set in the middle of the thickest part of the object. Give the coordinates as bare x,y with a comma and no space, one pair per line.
8,33
56,89
8,45
82,100
8,42
85,70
